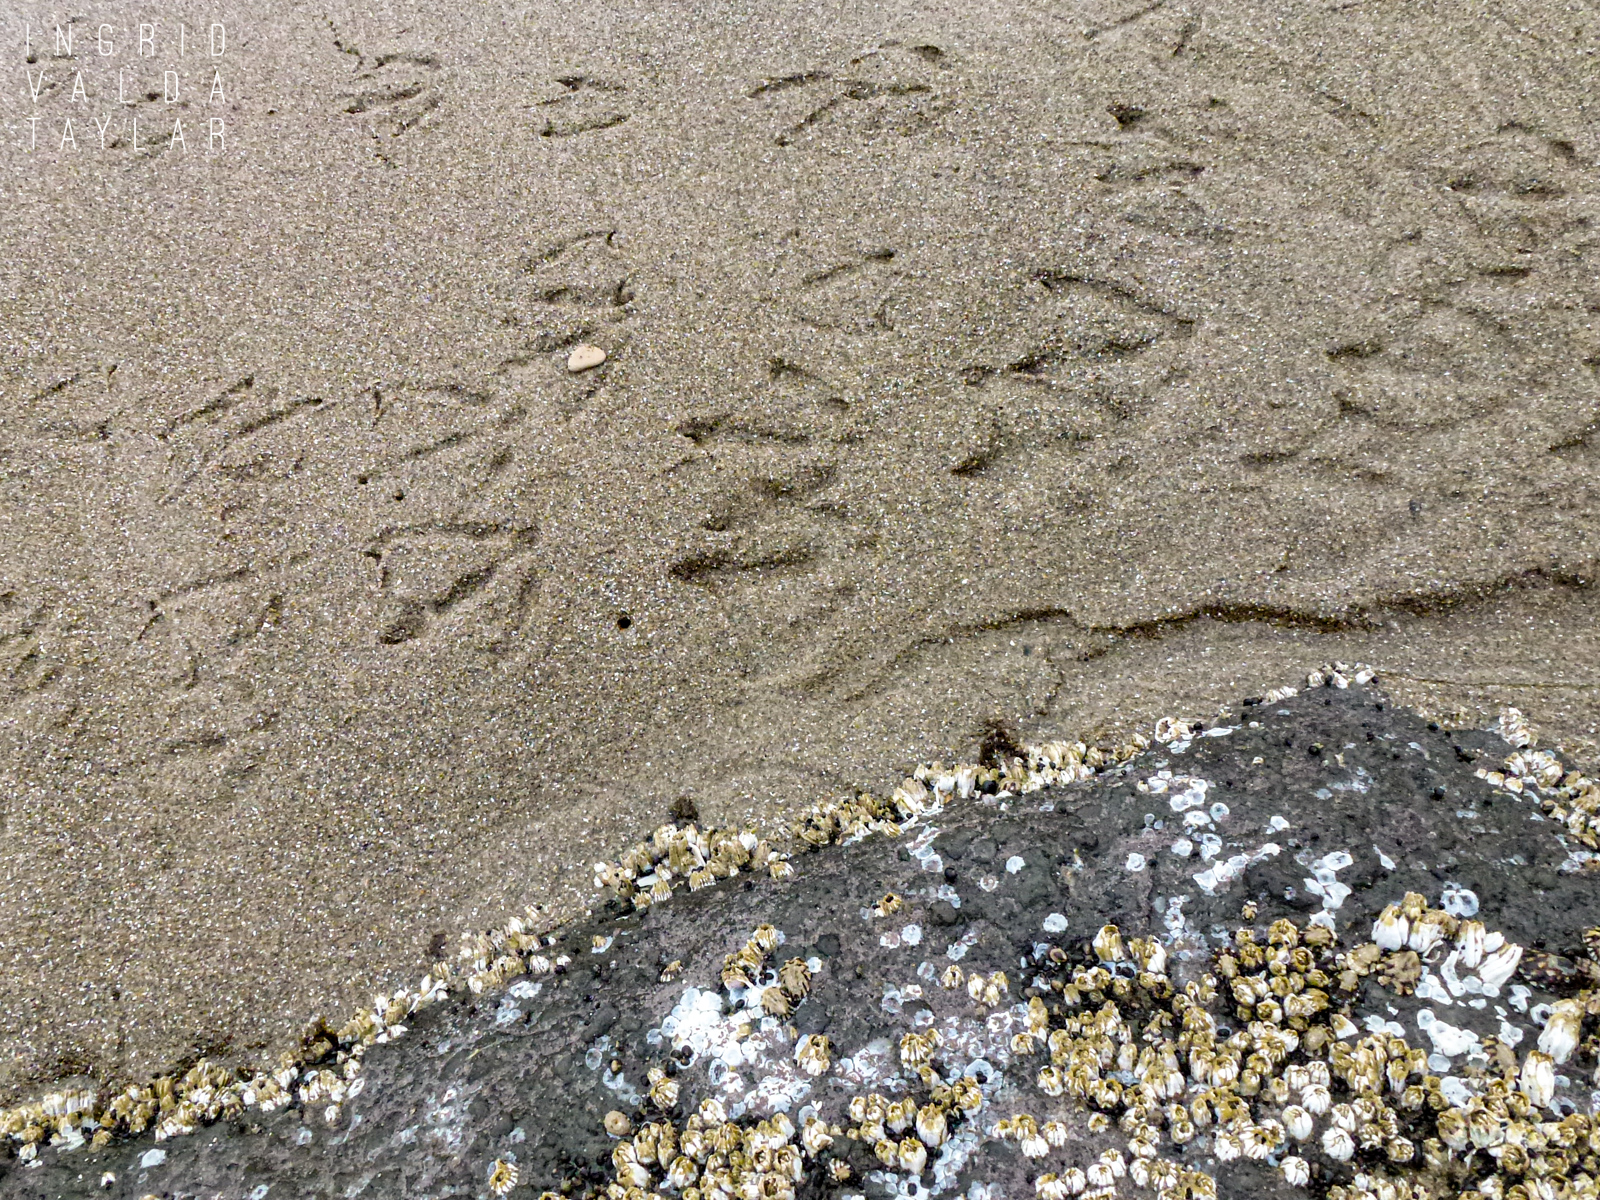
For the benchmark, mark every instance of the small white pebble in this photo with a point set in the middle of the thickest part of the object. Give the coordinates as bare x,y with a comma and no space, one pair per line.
584,357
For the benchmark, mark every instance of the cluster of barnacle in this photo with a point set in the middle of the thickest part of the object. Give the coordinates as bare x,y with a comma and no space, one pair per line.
1339,675
933,785
678,856
713,1158
489,960
325,1069
902,1132
985,990
744,968
1408,932
1258,1092
1334,674
1570,797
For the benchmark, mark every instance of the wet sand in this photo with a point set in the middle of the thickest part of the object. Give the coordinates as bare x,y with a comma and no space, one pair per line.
1022,370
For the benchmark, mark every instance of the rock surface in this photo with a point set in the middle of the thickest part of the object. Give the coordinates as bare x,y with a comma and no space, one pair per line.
1270,809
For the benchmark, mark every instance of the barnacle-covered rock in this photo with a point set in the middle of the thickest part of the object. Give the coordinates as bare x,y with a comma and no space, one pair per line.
1233,1006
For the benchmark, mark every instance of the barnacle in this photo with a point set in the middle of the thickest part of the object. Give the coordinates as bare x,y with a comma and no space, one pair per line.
1296,1171
811,1053
1538,1078
1391,929
913,1155
1401,971
795,978
1338,1145
917,1048
1562,1028
1108,944
502,1177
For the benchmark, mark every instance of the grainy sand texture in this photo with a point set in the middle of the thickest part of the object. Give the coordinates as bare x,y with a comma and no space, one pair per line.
985,370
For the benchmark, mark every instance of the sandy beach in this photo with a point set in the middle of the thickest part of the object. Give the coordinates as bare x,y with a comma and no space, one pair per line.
973,374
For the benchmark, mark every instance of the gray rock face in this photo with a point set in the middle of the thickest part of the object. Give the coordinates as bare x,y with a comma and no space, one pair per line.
1328,808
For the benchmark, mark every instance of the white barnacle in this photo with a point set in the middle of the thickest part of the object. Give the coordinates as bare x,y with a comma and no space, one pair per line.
811,1053
1100,1175
815,1137
682,1173
1559,1038
1538,1079
913,1155
1033,1144
1296,1171
917,1048
1499,966
1338,1145
1429,930
932,1125
1391,929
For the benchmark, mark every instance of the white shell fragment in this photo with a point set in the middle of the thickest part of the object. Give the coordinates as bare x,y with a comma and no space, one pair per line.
1459,901
584,357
